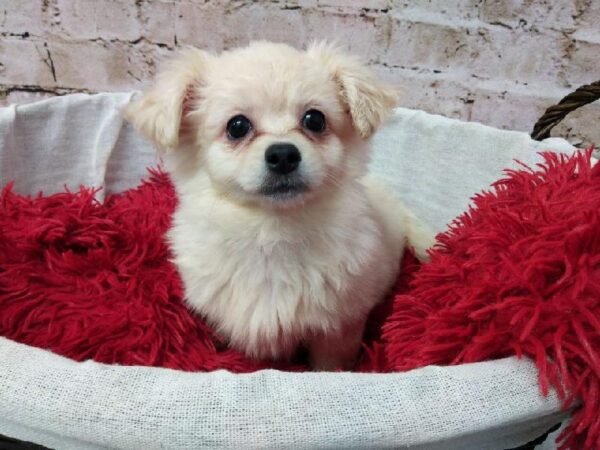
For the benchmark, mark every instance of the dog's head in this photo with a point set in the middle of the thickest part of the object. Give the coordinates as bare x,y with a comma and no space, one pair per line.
267,123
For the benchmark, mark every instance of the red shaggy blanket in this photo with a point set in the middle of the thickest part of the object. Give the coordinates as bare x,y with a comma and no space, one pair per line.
518,274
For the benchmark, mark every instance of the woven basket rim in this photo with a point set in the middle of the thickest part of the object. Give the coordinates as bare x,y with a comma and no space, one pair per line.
583,95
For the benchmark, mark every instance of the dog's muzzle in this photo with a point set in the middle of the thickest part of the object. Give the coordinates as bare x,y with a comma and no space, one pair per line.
283,179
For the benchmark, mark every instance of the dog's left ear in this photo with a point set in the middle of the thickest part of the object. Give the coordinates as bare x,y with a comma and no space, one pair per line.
159,114
369,101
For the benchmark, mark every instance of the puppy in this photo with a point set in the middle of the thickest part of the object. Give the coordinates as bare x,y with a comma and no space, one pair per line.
279,238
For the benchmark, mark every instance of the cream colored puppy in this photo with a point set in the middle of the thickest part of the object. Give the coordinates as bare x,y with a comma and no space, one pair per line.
279,240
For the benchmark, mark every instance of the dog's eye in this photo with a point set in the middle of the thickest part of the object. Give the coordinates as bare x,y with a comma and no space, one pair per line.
238,127
314,121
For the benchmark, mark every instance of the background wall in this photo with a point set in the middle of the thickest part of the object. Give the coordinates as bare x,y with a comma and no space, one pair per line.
500,62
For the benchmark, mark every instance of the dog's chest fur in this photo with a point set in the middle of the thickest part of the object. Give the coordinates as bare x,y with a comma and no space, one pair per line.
269,282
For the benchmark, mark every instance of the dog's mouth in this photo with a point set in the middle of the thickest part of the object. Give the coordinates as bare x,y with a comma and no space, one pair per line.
283,187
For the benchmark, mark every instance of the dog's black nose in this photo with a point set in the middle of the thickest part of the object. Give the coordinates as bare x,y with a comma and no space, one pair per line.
282,158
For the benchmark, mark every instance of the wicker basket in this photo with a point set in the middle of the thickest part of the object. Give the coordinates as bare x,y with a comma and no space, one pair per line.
552,116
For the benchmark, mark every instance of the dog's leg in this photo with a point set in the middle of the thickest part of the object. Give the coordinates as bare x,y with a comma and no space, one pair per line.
339,350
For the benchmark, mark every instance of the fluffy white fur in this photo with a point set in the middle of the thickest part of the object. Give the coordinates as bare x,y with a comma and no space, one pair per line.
272,273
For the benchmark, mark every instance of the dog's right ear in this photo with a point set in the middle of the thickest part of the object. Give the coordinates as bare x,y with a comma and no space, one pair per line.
159,112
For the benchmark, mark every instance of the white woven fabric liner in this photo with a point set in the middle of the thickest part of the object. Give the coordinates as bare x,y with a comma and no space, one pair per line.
434,163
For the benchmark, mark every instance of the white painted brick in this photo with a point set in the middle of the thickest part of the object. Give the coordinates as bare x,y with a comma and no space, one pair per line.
158,21
368,4
106,19
485,52
429,93
301,3
208,27
509,110
437,10
502,104
584,63
25,62
80,65
498,62
205,26
21,16
588,17
417,44
366,35
540,13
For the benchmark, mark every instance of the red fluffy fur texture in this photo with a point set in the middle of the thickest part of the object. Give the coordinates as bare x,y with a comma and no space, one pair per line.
90,280
519,274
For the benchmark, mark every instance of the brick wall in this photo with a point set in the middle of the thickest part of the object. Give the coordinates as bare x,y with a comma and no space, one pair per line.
500,62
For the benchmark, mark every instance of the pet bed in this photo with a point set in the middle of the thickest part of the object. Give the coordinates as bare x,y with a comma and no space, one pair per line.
60,403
